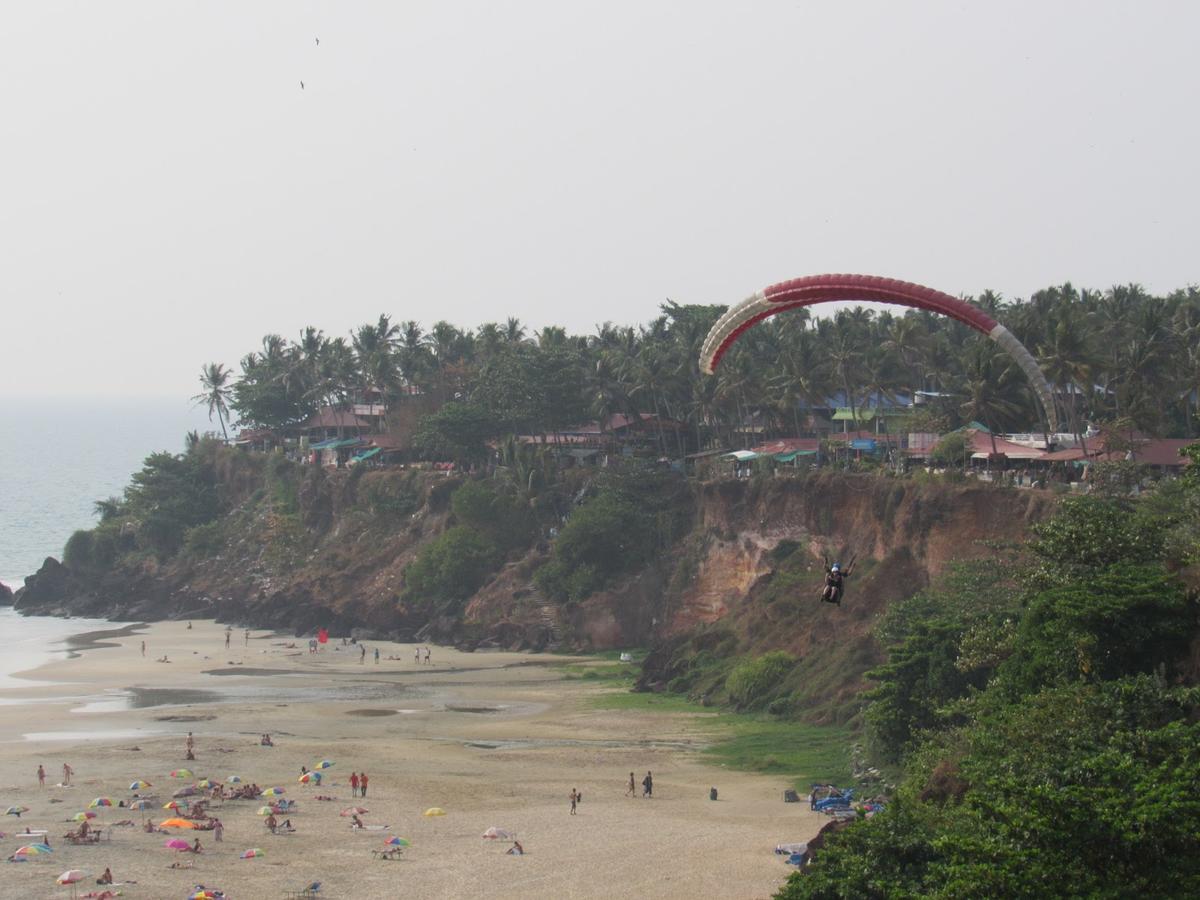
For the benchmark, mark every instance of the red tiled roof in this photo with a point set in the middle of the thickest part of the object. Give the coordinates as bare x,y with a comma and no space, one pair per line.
1149,452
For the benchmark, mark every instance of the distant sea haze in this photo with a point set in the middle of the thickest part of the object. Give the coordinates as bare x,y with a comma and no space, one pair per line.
59,455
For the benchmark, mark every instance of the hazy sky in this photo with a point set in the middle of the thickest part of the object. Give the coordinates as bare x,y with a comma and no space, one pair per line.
168,193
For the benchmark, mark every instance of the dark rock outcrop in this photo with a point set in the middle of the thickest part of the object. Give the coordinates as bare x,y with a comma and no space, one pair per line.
6,595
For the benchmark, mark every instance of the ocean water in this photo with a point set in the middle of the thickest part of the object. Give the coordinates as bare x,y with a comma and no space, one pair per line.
30,641
58,456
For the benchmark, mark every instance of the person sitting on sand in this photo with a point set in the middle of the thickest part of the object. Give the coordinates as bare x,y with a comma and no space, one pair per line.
163,658
287,825
516,849
266,741
195,848
355,822
106,878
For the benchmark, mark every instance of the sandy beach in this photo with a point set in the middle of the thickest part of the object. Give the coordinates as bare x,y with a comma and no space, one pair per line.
494,739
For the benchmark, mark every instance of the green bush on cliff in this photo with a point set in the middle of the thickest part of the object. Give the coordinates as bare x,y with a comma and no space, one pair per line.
450,568
77,554
389,496
494,511
753,682
605,537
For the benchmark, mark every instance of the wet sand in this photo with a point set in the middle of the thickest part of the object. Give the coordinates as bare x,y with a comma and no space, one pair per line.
493,739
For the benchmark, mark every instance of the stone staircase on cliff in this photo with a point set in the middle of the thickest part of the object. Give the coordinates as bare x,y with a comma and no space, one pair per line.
548,615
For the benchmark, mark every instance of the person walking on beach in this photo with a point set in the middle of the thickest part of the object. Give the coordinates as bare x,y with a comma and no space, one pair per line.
362,785
574,800
648,786
67,773
218,831
247,637
362,654
190,743
631,791
353,784
41,776
417,656
427,656
376,656
143,648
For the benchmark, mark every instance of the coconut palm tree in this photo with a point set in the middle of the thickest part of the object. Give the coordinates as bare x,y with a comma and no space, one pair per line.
215,379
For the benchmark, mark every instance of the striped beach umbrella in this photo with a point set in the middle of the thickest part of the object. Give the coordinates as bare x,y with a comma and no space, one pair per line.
100,801
253,853
139,785
182,773
273,792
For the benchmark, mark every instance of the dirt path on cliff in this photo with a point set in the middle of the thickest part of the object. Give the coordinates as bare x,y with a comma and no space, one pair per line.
493,739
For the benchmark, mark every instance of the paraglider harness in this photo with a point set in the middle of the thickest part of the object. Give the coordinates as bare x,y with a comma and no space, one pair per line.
835,580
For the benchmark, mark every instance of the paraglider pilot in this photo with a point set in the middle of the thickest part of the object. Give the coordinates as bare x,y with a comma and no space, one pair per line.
835,581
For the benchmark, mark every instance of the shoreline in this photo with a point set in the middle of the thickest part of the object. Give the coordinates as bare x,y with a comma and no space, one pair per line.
501,743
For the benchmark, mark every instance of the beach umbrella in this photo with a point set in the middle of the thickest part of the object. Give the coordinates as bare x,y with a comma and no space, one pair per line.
324,764
434,811
253,853
16,811
139,785
176,823
205,895
100,801
171,804
397,842
142,803
188,791
182,773
84,816
71,877
354,811
207,783
265,810
273,792
33,850
177,844
498,834
307,777
233,779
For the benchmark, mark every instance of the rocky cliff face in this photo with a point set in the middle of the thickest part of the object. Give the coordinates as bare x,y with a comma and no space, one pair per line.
337,559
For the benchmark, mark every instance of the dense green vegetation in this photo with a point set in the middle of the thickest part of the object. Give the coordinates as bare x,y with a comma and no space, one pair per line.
1046,714
170,498
1131,356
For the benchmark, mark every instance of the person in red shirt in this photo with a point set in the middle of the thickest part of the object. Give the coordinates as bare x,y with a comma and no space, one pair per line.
353,784
362,781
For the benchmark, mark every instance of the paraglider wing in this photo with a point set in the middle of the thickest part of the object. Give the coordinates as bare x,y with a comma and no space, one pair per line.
814,289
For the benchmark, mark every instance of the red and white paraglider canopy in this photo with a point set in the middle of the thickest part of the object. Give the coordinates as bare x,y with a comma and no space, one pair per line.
814,289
